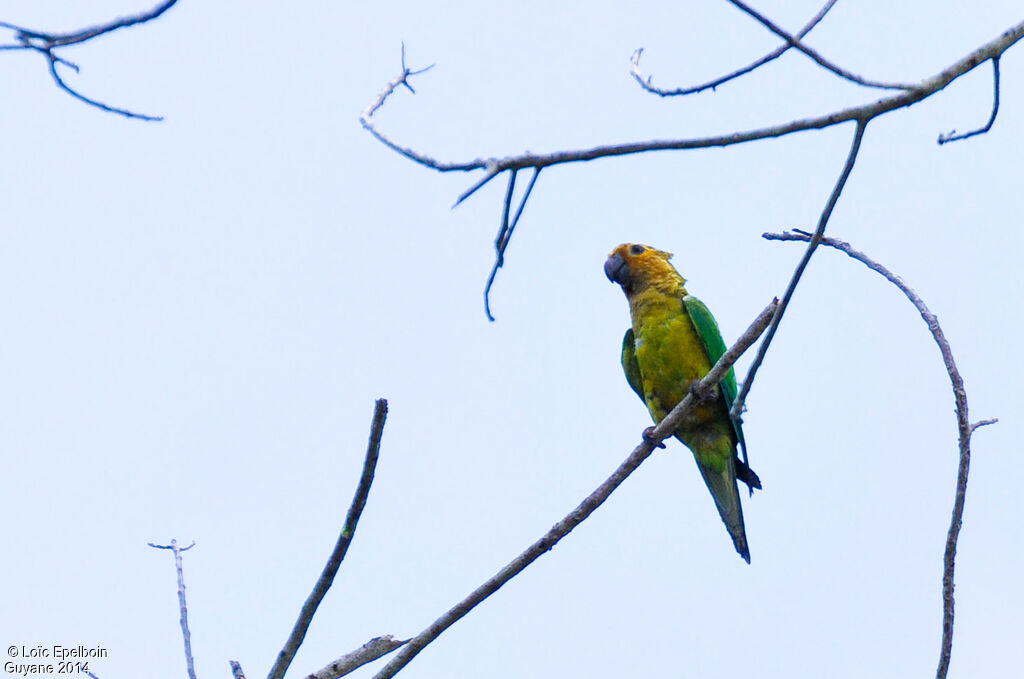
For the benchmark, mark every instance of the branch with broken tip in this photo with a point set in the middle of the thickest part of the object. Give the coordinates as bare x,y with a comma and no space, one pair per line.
368,652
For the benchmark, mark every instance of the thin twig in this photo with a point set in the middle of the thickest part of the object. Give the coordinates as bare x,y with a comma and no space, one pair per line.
505,233
93,102
492,172
45,43
236,670
323,583
189,663
983,423
645,82
500,242
368,652
737,406
953,136
817,58
964,427
664,429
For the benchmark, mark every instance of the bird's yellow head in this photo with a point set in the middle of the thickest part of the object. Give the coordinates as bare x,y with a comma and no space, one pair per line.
638,268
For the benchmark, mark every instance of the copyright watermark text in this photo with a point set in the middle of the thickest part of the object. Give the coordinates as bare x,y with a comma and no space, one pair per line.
28,661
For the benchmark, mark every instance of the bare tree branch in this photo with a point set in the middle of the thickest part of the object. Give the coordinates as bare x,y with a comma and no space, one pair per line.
983,423
953,136
862,114
323,583
368,652
817,58
865,112
963,425
46,43
505,233
189,663
650,440
645,82
837,190
236,670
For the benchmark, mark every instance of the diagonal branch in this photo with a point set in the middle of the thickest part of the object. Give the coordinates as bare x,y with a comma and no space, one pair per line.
817,58
953,136
664,429
45,44
323,583
964,427
837,190
645,82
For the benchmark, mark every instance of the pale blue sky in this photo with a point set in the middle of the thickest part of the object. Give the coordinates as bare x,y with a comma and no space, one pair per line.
199,313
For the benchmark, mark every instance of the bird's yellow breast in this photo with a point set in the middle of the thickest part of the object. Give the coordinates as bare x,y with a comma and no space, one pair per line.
670,354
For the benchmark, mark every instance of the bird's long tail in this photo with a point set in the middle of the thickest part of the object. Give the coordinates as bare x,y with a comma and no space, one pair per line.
727,498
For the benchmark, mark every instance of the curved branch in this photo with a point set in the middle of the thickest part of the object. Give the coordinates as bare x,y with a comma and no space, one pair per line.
46,43
645,83
964,427
649,441
953,136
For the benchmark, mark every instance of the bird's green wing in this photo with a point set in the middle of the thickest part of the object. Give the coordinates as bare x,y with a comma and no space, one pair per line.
708,330
631,366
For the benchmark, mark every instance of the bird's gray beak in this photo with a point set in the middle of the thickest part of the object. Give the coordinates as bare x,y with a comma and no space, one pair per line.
617,270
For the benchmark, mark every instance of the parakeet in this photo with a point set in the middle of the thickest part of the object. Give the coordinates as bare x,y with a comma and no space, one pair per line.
673,341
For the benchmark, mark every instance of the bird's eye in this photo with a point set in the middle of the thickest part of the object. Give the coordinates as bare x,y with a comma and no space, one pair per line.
637,249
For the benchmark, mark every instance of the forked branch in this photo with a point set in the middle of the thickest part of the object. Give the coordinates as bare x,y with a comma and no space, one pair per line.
47,43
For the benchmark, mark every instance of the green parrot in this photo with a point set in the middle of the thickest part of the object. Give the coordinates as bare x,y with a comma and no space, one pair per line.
675,340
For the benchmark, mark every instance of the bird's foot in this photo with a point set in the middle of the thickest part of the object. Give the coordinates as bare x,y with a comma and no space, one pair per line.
648,435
